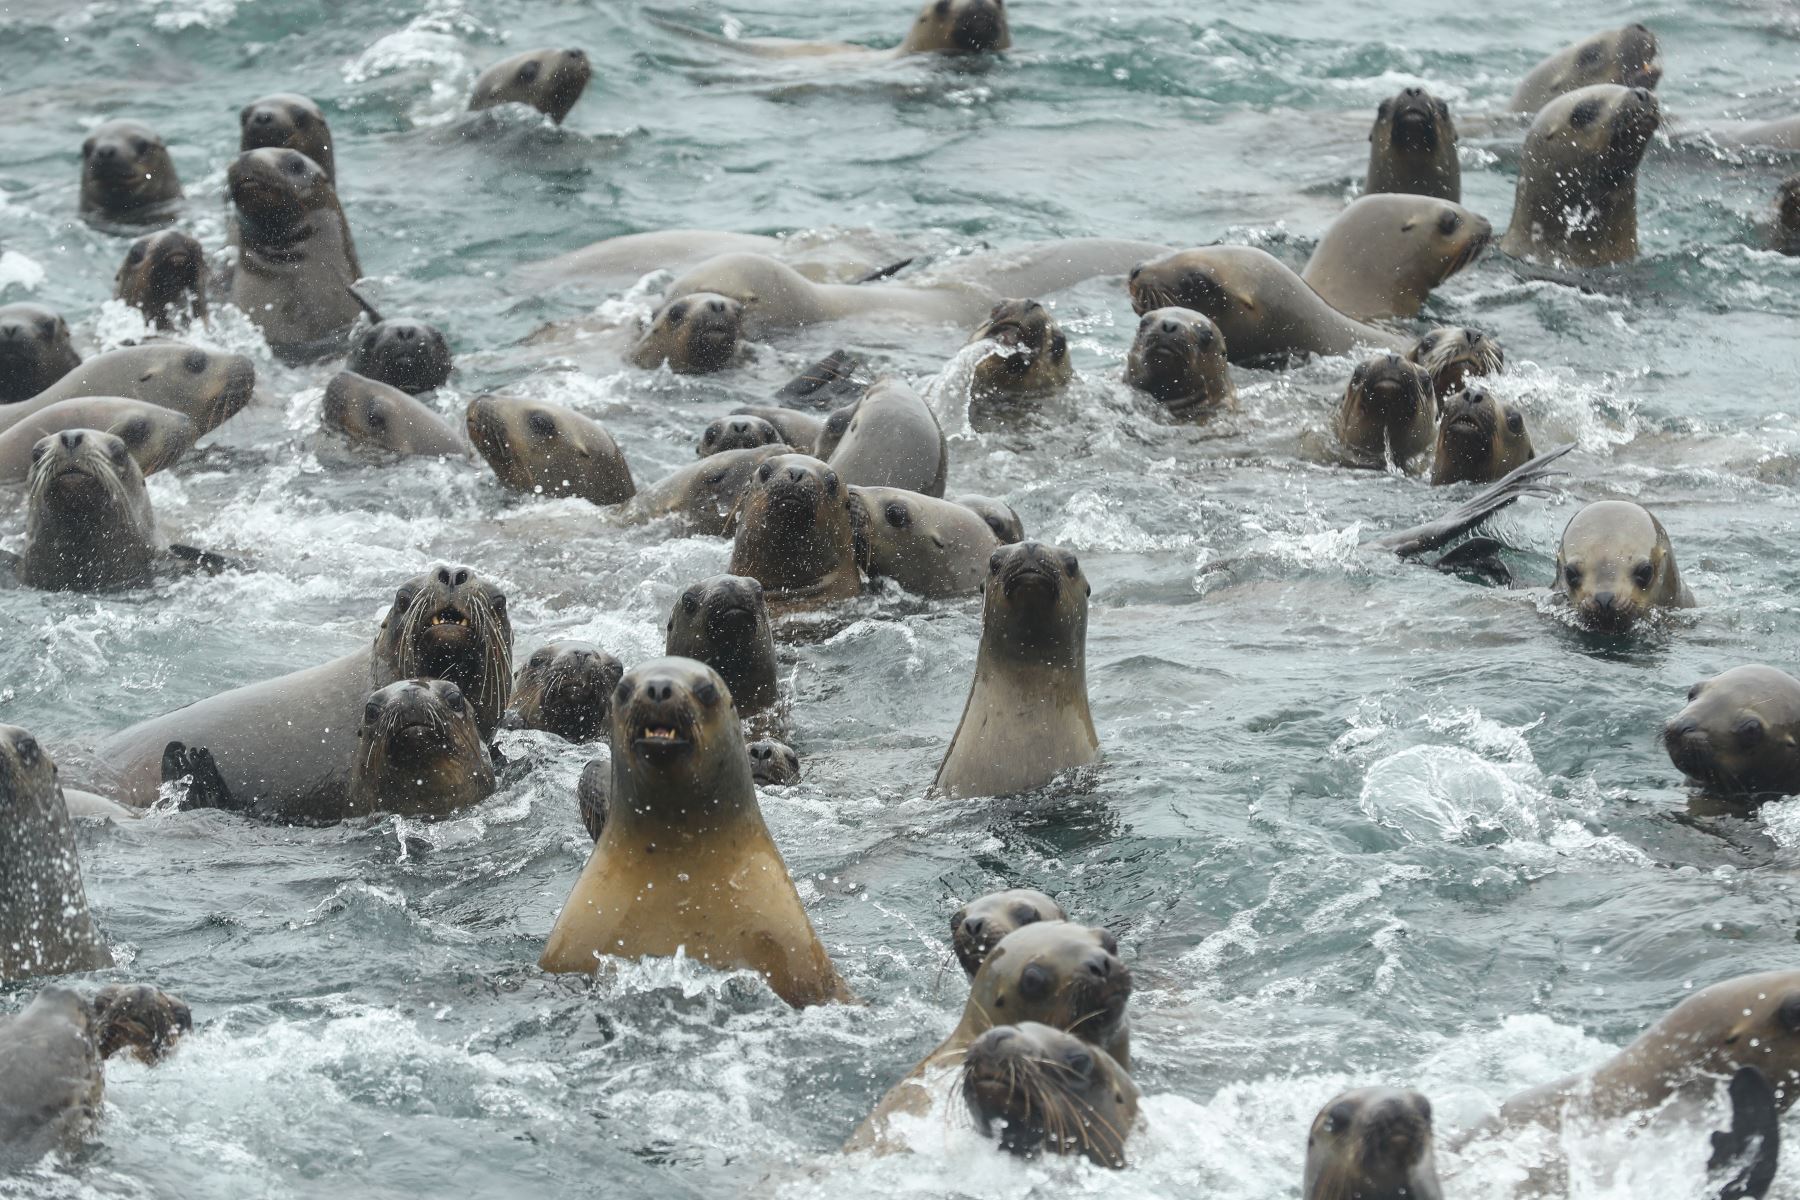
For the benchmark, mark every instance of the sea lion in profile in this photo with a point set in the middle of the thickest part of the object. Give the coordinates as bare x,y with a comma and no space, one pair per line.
1000,516
88,526
703,495
418,754
1454,355
685,862
565,688
550,81
695,334
1178,357
1576,204
156,436
127,176
45,927
1388,414
724,623
930,547
797,430
776,298
409,355
35,351
164,277
773,763
1615,565
288,121
980,925
547,450
1479,439
1374,1143
1625,57
1030,355
209,388
1740,733
1049,1090
893,439
297,268
385,418
1266,312
738,433
1787,217
796,534
1385,253
941,27
1026,719
1412,148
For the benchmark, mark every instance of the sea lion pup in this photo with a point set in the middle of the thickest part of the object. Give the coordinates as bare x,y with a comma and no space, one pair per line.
1615,565
127,176
297,265
1374,1143
1026,720
1412,148
797,430
1385,253
738,433
796,535
45,928
724,623
418,754
88,526
35,351
777,298
1000,516
703,495
565,688
941,27
696,334
1479,439
409,355
284,744
550,81
893,439
1787,216
1454,355
930,547
1740,733
1031,354
1178,357
210,388
157,437
1267,313
1576,204
684,862
1049,1090
373,414
1388,414
288,121
980,925
773,763
1625,57
548,450
164,277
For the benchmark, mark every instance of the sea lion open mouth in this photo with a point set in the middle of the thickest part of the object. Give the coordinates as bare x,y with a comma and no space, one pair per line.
661,735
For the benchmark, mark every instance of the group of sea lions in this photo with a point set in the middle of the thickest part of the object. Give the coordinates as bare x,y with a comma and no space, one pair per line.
841,481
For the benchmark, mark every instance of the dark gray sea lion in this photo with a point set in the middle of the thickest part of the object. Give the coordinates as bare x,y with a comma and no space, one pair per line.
566,688
724,623
1049,1091
799,431
418,754
980,925
550,81
774,764
930,547
1615,566
1026,719
287,121
156,436
1787,216
1412,148
164,277
209,388
1388,413
1480,438
703,495
1000,516
547,450
88,525
1385,254
695,334
35,351
1626,57
409,355
893,440
796,535
684,861
738,433
1454,355
385,418
1576,204
1373,1143
127,176
1179,358
1740,733
1031,354
45,927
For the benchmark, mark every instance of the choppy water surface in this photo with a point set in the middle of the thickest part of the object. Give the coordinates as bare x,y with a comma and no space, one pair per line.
1357,822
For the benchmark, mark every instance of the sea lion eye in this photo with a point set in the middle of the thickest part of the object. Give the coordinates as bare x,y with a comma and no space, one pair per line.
1423,1107
453,698
136,256
1790,1014
690,602
943,8
622,694
676,314
957,918
1585,114
541,424
528,72
1449,223
1036,982
404,597
38,451
1643,574
302,119
1024,914
1339,1118
1589,55
194,361
542,657
995,561
134,432
1079,1061
1070,565
371,712
376,420
140,147
1059,346
118,453
707,693
831,483
1515,422
897,516
1572,574
1748,731
765,472
27,750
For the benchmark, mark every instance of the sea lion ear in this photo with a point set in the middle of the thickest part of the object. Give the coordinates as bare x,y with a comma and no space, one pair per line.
956,918
1059,347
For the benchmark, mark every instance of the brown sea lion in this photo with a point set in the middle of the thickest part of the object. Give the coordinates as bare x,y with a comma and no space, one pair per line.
738,433
724,623
547,450
1030,355
1385,253
209,388
1000,516
773,763
980,925
35,351
685,862
156,436
941,27
1388,414
703,495
930,547
1479,439
796,534
1412,148
164,277
799,431
1625,57
1454,355
373,414
777,298
1373,1143
565,688
1049,1090
418,754
409,355
893,439
695,334
550,81
88,525
1615,565
1576,204
296,268
1179,358
127,176
1740,733
45,927
288,121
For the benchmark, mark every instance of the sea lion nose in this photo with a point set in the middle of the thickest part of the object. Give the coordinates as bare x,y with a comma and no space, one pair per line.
70,438
405,333
796,473
1413,92
106,151
660,690
717,306
1681,728
975,926
1606,602
12,331
1099,966
263,117
577,55
1171,326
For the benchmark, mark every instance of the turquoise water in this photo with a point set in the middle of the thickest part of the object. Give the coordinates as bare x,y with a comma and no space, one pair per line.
1357,823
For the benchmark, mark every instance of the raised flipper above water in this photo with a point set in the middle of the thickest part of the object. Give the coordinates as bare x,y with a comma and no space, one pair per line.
1527,480
206,786
832,379
196,559
1751,1148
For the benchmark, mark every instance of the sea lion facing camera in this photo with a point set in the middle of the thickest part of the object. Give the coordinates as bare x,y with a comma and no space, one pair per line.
156,436
1388,413
127,176
1615,565
1740,733
550,81
566,688
1178,357
418,754
288,121
685,862
1454,355
164,277
1576,204
1049,1090
893,439
773,763
385,418
703,495
1031,354
930,547
795,534
1373,1143
980,925
1479,439
547,450
1000,516
799,431
1412,148
209,388
45,927
35,351
409,355
695,334
1385,253
1626,57
88,524
738,433
724,623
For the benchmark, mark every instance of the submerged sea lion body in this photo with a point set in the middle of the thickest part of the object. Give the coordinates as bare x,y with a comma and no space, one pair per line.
1000,516
738,433
1049,1090
286,120
930,547
1480,438
373,414
1388,413
566,688
405,354
941,27
88,526
1454,355
695,334
164,277
1383,256
1625,57
156,436
208,388
703,495
893,439
796,535
724,623
418,754
550,81
1374,1143
983,923
1178,356
547,450
777,298
127,176
1030,356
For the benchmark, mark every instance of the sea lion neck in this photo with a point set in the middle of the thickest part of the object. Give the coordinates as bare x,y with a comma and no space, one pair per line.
710,796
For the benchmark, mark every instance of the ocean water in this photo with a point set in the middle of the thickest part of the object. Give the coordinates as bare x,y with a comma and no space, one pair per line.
1357,822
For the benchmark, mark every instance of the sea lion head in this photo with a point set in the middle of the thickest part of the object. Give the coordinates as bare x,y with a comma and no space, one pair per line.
366,414
695,334
1479,439
1035,605
35,350
1626,57
550,81
409,355
549,450
1787,209
1000,516
1031,351
738,433
1372,1142
1749,1021
1453,354
28,786
1413,121
1388,394
1737,733
724,623
125,169
85,497
419,752
980,925
156,436
1059,974
144,1020
1178,356
287,121
774,764
449,623
566,688
164,277
1583,147
1455,236
1190,279
1615,565
1049,1090
677,748
275,191
959,27
794,524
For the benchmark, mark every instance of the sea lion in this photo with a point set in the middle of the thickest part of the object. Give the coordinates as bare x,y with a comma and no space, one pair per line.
35,351
1000,516
88,526
777,298
285,744
550,81
288,121
930,547
296,266
565,688
409,355
1179,358
1787,216
548,450
1266,312
1453,355
1740,733
703,495
1385,253
127,176
1388,413
373,414
738,433
209,388
1030,355
893,439
1576,204
156,436
724,623
796,534
593,792
1479,439
418,754
685,862
1781,134
797,430
1625,57
164,277
941,27
1049,1090
980,925
695,334
1615,565
1374,1143
45,927
1412,148
774,764
1026,719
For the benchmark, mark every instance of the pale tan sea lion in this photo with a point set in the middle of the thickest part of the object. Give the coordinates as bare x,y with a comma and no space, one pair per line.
1375,1143
418,754
565,688
1039,268
796,535
980,925
385,418
1615,565
1031,354
930,547
724,623
1049,1090
1000,516
1383,256
156,436
550,81
1388,414
45,926
703,495
1412,147
799,431
1454,355
1625,57
410,355
1576,204
35,351
127,176
286,120
1178,356
893,439
941,27
738,432
1480,438
1783,134
209,388
545,449
1740,733
164,277
88,525
776,298
695,334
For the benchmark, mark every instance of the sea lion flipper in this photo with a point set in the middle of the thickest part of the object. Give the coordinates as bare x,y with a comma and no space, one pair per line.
887,272
827,379
1478,557
206,786
1525,481
1753,1143
193,557
366,306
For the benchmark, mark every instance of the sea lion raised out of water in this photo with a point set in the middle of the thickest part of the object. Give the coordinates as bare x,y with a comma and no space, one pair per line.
1412,148
1388,414
45,927
941,27
772,764
980,925
695,334
1386,252
1576,204
1615,566
550,81
1375,1143
796,535
565,688
1740,734
1030,355
724,623
286,120
1480,438
1049,1090
548,450
164,277
127,176
410,355
930,547
156,436
35,351
1454,355
1625,57
1178,357
738,432
892,439
209,388
373,414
